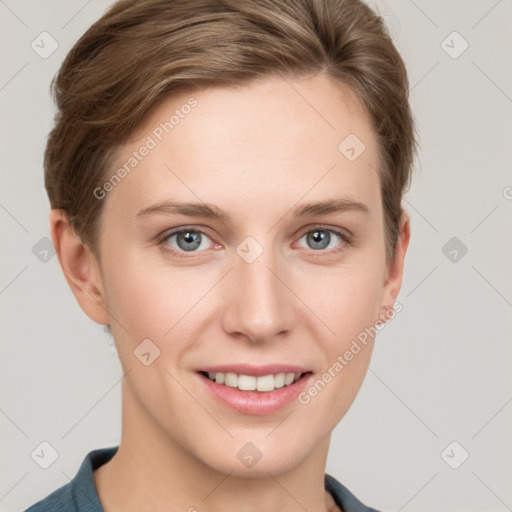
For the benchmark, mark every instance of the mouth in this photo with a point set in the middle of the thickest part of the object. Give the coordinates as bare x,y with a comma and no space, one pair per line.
255,390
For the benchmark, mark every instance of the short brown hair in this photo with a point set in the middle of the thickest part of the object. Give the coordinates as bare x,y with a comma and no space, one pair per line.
142,50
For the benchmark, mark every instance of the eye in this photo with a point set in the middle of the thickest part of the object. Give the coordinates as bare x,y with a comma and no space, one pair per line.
321,238
185,240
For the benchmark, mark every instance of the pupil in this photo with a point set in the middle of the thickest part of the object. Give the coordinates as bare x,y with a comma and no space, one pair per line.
190,238
320,239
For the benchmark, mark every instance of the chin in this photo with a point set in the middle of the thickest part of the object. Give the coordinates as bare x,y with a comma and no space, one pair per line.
256,455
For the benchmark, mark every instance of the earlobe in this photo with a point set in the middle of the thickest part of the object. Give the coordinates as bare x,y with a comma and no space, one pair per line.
395,270
80,266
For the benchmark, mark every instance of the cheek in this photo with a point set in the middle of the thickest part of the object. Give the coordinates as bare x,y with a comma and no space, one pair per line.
345,299
152,300
347,302
348,306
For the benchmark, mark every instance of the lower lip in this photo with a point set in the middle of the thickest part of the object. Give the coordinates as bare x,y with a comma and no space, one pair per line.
256,403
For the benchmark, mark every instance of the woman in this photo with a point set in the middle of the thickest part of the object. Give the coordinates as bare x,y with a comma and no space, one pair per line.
276,139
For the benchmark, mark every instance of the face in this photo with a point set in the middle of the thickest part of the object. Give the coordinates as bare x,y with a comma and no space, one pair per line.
257,284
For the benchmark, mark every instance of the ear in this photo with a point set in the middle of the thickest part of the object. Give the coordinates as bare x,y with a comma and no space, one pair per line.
395,269
80,266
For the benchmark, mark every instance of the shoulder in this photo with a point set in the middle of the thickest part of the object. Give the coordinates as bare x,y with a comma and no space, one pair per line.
345,500
79,494
60,500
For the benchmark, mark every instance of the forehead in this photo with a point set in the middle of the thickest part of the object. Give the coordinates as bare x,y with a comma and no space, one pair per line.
272,140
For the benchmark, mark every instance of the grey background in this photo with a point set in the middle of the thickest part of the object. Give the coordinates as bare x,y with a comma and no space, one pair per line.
441,369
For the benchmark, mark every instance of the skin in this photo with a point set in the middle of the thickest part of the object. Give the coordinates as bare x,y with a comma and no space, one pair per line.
255,151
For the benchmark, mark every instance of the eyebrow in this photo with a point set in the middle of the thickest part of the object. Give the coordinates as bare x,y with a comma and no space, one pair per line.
210,211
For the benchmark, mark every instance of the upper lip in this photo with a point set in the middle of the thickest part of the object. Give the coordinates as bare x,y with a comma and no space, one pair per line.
256,371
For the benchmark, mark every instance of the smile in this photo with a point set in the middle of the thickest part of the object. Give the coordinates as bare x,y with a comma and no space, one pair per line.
255,390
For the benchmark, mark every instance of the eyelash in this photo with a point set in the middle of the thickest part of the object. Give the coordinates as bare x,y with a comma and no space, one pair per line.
345,237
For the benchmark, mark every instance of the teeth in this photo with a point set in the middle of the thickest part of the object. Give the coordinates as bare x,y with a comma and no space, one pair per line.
289,378
230,379
246,383
279,380
252,383
265,383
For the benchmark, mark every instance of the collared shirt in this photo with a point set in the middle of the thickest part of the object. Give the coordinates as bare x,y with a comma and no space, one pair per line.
79,495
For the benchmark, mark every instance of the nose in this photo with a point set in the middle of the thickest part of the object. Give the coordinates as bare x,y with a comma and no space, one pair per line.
259,304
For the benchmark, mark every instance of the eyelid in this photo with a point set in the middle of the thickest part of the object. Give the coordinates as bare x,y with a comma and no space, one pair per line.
173,231
343,232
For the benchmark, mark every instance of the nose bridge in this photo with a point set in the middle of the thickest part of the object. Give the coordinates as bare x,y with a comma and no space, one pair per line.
258,302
